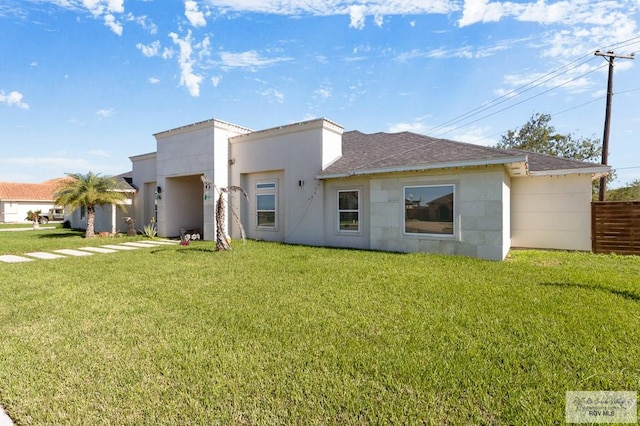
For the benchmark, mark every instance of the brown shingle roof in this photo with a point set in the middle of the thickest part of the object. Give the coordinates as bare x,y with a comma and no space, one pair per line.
379,151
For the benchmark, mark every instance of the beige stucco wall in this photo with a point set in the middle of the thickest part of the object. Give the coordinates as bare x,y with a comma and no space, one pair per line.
297,154
479,213
183,155
332,235
144,179
552,212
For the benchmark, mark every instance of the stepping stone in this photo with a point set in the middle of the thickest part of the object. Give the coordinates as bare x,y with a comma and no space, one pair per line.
11,258
138,244
98,249
161,242
43,255
119,247
72,252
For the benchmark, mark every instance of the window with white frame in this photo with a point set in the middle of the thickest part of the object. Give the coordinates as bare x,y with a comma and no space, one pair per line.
266,202
429,209
349,210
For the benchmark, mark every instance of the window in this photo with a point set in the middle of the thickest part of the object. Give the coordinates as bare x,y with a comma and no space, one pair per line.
348,211
82,212
429,210
266,205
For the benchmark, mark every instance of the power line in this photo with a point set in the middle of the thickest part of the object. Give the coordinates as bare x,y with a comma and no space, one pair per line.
521,102
523,89
513,93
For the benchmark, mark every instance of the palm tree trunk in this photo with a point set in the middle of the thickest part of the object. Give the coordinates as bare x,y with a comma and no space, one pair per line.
91,220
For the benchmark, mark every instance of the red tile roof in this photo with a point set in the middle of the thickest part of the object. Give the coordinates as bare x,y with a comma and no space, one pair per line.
12,191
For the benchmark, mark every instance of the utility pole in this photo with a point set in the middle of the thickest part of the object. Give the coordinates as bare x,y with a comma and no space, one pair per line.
610,57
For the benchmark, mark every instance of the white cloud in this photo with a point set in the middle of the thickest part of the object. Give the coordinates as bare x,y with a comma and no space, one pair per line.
106,9
144,22
13,99
249,59
378,20
357,13
105,112
475,135
193,14
568,12
273,95
99,153
188,77
149,50
154,80
323,92
216,80
110,21
417,126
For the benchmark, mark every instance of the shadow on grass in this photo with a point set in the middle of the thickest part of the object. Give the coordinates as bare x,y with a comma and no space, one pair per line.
597,287
64,234
184,251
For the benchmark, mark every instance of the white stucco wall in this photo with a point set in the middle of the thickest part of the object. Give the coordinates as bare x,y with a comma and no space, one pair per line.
332,235
479,210
191,151
107,219
16,211
298,152
144,179
552,212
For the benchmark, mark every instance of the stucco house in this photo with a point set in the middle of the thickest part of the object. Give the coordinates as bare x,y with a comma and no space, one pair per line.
313,183
109,217
16,199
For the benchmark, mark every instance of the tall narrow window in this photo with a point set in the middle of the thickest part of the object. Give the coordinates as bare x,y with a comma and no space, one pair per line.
429,210
349,211
266,202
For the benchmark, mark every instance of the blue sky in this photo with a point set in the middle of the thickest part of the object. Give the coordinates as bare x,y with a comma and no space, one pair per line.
84,84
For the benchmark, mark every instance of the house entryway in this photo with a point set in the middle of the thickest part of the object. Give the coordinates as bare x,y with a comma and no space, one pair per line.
184,209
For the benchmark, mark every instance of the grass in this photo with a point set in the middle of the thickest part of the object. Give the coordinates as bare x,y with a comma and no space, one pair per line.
31,239
270,333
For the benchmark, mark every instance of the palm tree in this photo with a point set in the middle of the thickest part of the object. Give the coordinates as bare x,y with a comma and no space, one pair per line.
88,191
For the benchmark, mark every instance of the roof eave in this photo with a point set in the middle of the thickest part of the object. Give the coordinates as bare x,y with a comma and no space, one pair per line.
424,167
596,172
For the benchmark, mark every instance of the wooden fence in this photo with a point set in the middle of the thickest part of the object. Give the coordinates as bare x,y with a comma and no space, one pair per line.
615,227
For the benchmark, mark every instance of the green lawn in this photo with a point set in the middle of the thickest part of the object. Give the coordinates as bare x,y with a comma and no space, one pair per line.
277,334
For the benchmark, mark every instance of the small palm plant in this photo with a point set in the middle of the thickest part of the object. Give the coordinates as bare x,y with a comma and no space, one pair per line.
34,216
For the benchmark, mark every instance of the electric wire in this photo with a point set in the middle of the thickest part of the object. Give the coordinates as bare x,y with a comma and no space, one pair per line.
519,103
513,93
440,129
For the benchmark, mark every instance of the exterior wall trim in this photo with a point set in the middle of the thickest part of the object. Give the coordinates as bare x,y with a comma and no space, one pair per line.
419,168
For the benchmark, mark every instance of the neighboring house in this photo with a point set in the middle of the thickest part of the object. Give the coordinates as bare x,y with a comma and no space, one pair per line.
16,199
312,183
109,218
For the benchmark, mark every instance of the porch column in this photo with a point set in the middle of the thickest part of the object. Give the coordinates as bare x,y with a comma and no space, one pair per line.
113,218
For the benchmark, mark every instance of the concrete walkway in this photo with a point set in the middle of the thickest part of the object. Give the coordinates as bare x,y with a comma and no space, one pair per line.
4,419
26,229
82,251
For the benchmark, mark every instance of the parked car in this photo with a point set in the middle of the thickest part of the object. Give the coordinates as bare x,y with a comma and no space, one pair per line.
56,213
